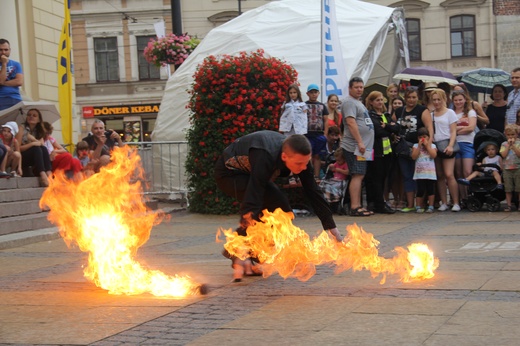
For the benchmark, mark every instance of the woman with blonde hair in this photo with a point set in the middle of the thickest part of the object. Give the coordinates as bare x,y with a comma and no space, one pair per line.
466,123
392,91
378,169
445,132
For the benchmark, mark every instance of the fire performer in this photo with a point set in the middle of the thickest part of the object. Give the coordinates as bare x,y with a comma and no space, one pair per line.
246,170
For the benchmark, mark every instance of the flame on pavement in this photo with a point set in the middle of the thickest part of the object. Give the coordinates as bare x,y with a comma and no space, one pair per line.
105,215
286,249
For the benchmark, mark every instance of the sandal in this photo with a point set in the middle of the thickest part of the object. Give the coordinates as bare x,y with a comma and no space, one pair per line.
507,208
360,211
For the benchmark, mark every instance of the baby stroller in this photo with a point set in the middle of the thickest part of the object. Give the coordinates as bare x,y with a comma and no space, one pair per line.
483,190
335,189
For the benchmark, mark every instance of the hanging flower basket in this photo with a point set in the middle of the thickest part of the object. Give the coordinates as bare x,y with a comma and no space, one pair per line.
170,49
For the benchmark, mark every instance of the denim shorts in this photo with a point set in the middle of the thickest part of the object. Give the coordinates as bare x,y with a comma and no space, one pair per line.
466,151
318,143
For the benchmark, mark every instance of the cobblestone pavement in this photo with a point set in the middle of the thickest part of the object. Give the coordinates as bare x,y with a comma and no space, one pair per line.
474,298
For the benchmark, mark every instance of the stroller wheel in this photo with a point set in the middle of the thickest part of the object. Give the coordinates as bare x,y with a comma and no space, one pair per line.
493,204
473,204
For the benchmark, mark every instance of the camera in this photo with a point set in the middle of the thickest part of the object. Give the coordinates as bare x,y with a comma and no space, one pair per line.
108,134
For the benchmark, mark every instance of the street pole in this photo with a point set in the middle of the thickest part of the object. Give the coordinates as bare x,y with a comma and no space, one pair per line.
239,7
176,17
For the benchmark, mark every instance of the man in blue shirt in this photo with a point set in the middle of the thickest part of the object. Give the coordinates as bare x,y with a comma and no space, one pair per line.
11,77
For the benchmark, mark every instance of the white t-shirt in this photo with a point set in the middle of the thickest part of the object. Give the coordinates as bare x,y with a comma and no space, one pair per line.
468,138
442,125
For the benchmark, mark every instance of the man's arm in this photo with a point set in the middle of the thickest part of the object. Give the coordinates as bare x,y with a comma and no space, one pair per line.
17,81
3,71
354,131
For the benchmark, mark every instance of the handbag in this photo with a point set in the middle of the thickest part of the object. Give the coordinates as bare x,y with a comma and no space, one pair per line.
404,148
443,144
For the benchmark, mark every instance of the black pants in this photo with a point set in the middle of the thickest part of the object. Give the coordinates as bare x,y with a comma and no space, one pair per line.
234,184
377,172
38,158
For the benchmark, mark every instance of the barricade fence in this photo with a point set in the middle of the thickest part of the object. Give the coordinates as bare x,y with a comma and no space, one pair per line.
163,164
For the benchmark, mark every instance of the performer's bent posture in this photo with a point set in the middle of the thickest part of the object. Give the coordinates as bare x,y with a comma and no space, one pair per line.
246,171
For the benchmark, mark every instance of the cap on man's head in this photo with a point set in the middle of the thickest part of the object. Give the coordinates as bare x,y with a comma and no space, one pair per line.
12,126
313,87
430,86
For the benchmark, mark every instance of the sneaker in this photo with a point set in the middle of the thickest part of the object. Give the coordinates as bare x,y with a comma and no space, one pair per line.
463,181
5,175
443,207
430,209
419,210
455,207
407,210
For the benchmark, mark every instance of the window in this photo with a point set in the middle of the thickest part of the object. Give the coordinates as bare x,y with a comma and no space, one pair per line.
413,29
462,31
146,70
107,60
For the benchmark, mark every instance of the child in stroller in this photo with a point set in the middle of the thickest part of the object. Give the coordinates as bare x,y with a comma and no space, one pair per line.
485,183
335,183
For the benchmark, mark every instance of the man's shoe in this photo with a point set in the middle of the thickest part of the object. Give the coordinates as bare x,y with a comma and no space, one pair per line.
407,210
385,210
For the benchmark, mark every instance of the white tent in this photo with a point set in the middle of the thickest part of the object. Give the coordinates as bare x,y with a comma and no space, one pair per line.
290,30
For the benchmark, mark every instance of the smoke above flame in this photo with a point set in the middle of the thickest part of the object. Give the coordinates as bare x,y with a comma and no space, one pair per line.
105,216
285,249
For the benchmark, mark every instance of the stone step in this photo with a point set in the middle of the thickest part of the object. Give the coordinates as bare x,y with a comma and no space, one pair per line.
21,194
20,208
16,224
18,183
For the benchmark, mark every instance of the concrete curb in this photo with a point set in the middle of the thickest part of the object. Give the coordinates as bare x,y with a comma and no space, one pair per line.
13,240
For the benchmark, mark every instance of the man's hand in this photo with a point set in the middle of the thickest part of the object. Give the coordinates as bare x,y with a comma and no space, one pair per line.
4,59
335,233
361,147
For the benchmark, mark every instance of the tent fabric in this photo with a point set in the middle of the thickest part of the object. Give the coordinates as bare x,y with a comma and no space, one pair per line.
289,30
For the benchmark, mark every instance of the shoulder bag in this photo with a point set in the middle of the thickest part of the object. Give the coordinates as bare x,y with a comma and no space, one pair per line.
443,144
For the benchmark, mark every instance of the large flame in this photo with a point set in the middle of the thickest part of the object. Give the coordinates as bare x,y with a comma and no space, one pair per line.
105,215
284,248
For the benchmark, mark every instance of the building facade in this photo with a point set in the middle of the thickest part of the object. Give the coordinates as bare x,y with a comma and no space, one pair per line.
114,82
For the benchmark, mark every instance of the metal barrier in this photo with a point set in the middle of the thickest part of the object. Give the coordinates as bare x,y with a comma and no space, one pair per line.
163,164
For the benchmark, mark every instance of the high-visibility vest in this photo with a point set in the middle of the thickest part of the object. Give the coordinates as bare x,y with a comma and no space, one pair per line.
387,147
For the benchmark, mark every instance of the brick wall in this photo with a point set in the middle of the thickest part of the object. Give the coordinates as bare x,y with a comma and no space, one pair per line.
506,7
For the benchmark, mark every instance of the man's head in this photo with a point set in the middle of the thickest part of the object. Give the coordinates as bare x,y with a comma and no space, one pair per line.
313,91
356,87
515,78
98,128
296,153
5,47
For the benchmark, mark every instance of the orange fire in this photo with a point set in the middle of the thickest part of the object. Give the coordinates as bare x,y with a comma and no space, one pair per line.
284,248
105,215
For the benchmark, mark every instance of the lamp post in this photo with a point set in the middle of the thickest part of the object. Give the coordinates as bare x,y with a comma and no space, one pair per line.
239,7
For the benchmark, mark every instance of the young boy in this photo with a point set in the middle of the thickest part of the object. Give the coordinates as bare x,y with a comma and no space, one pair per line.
317,125
510,152
492,158
424,155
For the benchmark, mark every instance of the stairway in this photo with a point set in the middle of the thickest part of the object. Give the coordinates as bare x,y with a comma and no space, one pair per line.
20,214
